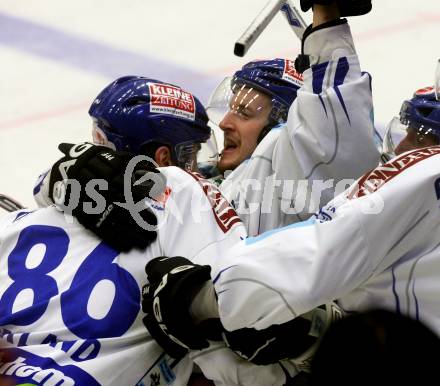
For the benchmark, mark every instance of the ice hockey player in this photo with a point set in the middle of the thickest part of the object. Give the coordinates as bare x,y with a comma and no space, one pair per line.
70,304
375,246
292,139
328,139
416,126
145,116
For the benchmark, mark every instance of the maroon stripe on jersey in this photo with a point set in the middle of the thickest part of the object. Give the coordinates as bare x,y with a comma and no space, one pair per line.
224,213
378,177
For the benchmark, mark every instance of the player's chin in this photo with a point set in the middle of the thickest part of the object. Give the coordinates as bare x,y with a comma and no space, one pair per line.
228,162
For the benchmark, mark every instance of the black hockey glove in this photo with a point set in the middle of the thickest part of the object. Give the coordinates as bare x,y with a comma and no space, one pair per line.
277,342
86,168
346,7
295,340
166,300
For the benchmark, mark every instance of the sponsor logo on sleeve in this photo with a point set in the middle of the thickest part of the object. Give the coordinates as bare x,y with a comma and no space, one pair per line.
291,74
167,99
326,213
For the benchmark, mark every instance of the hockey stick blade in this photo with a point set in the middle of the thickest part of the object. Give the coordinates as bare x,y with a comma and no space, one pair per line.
9,204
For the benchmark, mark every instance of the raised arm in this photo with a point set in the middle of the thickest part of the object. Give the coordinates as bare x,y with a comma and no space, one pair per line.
331,122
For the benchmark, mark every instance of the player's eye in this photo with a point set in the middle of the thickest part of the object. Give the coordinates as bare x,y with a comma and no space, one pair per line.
243,112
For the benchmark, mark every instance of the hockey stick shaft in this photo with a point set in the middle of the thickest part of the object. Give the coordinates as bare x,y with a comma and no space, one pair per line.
9,204
294,18
437,80
262,20
257,26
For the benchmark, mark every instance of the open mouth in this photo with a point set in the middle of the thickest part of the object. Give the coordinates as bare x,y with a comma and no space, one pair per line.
229,145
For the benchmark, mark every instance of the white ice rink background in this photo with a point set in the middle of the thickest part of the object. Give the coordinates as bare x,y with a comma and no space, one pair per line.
56,55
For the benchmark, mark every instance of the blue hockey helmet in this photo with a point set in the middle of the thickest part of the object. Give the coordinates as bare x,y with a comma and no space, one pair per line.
418,123
422,112
276,78
134,111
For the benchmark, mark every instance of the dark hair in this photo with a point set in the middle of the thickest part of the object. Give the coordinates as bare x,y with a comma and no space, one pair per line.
149,149
376,347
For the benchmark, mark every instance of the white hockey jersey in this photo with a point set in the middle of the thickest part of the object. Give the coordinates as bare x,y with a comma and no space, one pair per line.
376,245
70,305
327,143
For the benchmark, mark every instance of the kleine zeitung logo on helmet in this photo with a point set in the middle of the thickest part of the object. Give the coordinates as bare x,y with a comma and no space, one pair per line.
291,74
167,99
425,91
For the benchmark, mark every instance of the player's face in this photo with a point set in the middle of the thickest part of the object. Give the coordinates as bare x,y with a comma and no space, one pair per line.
413,141
248,115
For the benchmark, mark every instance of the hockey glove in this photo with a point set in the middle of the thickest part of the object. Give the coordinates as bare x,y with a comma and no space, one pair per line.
272,344
72,186
166,300
346,7
295,340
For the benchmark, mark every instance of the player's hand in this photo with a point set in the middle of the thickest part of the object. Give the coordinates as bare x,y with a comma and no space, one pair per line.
275,343
90,181
295,340
346,7
166,300
6,355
